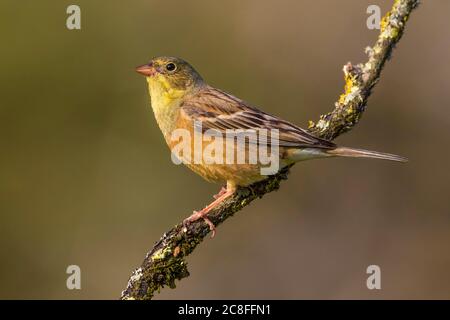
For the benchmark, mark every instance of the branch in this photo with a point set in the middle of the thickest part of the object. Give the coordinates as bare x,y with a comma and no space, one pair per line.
165,262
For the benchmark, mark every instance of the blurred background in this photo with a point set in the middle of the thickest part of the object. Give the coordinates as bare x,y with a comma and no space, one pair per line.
86,178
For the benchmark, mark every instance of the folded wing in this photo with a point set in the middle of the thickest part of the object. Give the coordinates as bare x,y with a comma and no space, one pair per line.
220,111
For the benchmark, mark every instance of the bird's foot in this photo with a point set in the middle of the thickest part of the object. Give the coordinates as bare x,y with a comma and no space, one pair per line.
202,214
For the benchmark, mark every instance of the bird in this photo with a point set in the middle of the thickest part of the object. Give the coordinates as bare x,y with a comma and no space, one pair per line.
181,99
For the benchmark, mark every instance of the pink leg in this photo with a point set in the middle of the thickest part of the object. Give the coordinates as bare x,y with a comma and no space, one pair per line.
202,214
221,192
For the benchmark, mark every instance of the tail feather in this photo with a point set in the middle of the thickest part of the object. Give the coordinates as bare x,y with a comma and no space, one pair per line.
360,153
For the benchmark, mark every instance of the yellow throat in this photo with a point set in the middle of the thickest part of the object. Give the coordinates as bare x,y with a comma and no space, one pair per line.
165,102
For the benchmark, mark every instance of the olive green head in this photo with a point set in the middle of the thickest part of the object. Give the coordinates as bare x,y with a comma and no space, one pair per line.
171,74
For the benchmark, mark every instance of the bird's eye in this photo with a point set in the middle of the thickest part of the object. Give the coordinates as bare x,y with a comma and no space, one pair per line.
171,66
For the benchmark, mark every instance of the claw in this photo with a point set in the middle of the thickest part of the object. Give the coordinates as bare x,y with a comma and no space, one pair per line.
202,214
211,225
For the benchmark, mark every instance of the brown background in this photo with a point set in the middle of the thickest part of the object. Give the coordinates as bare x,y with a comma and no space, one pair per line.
86,178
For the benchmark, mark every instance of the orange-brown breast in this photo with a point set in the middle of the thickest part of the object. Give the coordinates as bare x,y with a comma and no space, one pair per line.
237,174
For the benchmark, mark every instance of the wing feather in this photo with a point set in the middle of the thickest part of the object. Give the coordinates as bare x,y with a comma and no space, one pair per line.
221,111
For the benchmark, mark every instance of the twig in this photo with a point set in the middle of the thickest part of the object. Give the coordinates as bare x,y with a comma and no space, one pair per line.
165,262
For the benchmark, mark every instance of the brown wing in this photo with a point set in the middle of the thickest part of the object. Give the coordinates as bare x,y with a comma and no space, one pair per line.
221,111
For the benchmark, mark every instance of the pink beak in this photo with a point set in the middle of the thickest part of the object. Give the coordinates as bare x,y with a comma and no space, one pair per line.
147,70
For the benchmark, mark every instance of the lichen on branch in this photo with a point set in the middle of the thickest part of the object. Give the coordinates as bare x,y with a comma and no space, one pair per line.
361,78
165,262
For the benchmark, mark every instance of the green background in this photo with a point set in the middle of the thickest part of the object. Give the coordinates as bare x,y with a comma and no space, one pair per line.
86,177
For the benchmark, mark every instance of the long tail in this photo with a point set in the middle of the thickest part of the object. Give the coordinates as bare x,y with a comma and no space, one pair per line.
360,153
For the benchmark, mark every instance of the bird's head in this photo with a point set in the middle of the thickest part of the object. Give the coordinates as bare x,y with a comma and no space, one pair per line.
170,77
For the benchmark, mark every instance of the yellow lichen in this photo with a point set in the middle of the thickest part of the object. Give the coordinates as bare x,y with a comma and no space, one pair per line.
348,89
350,110
161,253
384,22
389,29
